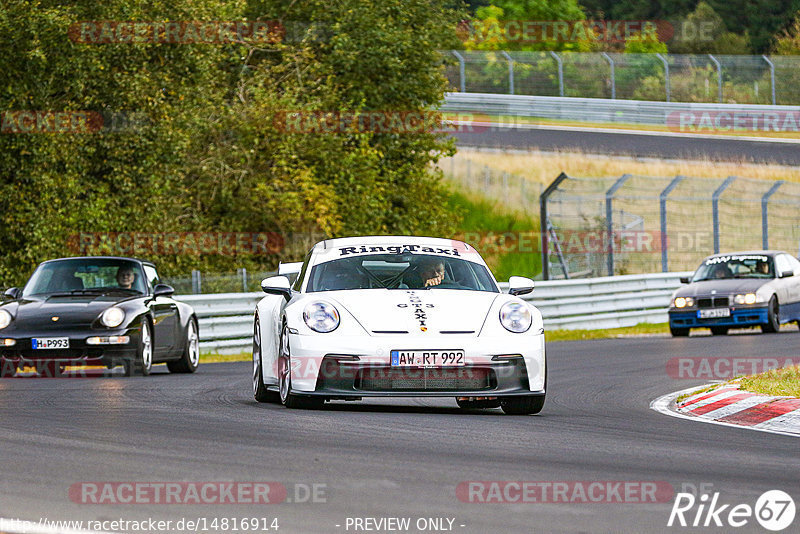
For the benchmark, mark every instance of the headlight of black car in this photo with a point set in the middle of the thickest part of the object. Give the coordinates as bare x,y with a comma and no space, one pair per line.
5,319
112,317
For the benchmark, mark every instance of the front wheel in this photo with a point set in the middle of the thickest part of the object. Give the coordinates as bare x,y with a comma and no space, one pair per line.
289,399
522,405
678,332
260,391
142,361
773,323
190,359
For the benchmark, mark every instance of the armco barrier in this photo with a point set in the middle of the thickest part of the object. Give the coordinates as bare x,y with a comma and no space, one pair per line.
597,109
226,320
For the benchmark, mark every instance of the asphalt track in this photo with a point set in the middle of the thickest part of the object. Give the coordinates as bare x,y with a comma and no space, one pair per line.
637,145
399,458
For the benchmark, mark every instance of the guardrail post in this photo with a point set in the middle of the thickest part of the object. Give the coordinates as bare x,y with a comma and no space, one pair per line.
560,73
719,76
771,78
715,209
610,220
461,73
196,283
510,71
243,274
613,77
666,74
543,222
662,198
764,214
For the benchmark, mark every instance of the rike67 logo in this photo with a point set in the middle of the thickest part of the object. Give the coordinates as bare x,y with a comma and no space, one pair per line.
774,510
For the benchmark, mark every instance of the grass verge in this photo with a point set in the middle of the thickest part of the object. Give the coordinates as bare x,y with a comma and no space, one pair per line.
213,357
779,382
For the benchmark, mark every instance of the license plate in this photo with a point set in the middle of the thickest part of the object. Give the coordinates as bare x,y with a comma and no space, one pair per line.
713,313
427,358
50,343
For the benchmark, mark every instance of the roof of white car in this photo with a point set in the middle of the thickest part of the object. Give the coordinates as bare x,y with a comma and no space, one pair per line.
332,249
377,240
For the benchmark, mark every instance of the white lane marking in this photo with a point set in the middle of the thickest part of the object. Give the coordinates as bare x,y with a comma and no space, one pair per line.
621,131
662,405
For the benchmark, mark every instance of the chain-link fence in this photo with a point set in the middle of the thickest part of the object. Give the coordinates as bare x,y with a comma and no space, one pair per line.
199,282
643,224
708,78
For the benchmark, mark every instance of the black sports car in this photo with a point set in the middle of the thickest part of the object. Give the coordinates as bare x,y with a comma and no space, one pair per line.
96,311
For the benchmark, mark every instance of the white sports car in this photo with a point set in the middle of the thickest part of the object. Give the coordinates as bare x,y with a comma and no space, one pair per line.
397,316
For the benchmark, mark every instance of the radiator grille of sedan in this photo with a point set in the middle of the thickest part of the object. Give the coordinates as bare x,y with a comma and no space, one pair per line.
713,302
417,379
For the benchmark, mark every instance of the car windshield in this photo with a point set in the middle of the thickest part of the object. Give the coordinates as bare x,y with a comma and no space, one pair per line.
726,267
86,275
400,271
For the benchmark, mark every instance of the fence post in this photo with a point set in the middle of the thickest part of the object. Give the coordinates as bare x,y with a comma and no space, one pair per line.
771,78
243,274
510,71
663,208
613,77
196,283
715,209
764,215
461,74
543,222
610,220
560,73
666,74
719,76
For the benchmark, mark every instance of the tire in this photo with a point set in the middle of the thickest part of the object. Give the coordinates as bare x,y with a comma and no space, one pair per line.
260,391
287,398
142,362
773,323
477,405
522,405
190,359
678,332
719,330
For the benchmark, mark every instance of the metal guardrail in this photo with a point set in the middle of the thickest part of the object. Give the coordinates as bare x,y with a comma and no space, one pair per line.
599,109
226,319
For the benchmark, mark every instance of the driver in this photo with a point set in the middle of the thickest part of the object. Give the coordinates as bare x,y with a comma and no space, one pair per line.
125,277
722,271
428,272
762,267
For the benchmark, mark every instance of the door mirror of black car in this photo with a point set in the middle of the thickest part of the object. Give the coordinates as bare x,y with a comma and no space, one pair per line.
277,285
163,290
519,285
684,279
786,274
12,293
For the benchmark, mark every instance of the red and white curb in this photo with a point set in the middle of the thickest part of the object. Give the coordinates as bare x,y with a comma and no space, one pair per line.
727,405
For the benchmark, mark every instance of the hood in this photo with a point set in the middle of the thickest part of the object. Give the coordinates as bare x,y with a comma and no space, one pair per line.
77,310
730,286
394,311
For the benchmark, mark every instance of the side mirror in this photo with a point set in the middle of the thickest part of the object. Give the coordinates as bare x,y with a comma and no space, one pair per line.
519,285
277,285
163,290
12,293
787,274
684,279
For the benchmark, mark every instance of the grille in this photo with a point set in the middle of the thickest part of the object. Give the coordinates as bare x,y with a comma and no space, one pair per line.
713,302
416,379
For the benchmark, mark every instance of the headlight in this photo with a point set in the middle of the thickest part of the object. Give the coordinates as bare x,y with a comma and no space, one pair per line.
5,319
515,317
747,298
112,317
683,302
321,317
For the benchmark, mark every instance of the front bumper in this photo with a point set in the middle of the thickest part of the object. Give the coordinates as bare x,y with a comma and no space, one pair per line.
744,316
346,367
79,353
